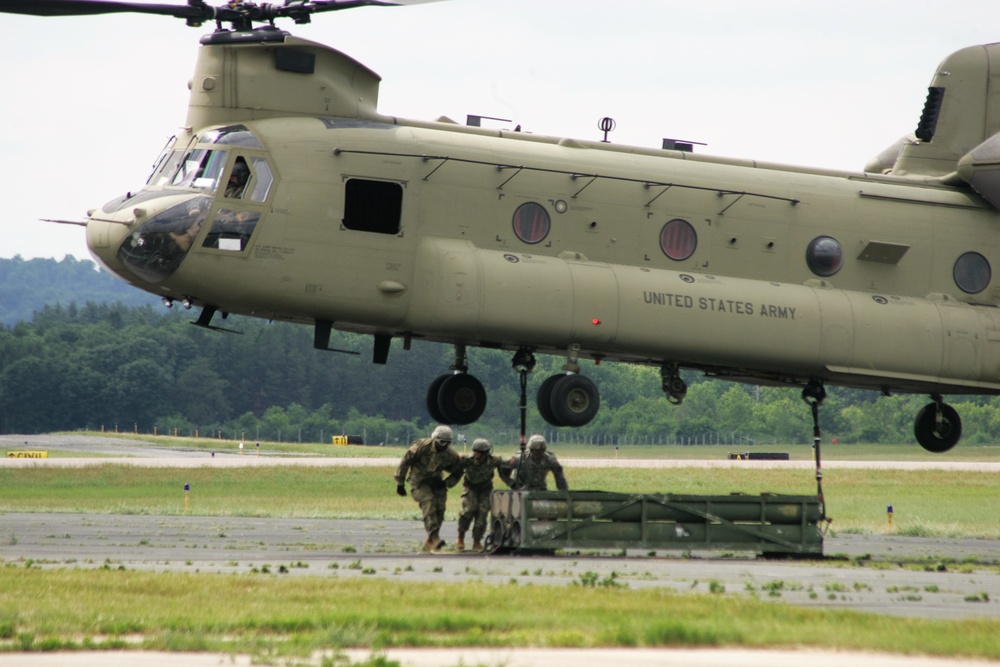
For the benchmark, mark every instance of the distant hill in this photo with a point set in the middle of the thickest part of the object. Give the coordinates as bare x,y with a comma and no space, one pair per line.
27,285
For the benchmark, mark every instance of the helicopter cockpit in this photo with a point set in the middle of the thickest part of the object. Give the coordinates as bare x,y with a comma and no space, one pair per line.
223,176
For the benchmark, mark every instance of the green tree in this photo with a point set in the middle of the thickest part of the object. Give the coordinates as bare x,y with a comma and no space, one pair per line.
200,395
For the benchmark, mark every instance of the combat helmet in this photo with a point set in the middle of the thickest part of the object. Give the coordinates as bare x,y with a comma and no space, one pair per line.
442,434
482,445
536,443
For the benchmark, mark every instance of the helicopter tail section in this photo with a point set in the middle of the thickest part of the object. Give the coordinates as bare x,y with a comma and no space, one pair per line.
957,138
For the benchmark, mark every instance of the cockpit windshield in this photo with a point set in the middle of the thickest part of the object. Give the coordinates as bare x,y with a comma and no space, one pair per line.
232,135
202,164
156,247
166,164
232,179
200,169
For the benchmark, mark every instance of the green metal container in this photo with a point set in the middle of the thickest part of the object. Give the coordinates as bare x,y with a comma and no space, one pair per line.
552,520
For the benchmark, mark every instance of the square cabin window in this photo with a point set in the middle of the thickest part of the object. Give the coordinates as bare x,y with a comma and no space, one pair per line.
373,206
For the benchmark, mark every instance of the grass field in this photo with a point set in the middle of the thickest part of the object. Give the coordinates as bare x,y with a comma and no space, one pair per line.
931,503
271,617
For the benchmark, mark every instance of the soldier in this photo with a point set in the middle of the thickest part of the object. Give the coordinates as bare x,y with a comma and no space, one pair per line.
422,465
478,484
532,469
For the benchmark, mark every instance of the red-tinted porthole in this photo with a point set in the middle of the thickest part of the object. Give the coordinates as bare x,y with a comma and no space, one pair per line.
972,272
531,222
678,239
824,256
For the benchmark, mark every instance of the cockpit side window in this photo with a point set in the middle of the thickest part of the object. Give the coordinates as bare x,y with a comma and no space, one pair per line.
263,179
251,183
231,230
249,179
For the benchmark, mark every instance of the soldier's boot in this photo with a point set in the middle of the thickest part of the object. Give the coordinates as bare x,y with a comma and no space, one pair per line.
477,545
460,543
427,546
435,541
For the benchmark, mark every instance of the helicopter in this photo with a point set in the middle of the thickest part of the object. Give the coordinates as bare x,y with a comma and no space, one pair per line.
288,195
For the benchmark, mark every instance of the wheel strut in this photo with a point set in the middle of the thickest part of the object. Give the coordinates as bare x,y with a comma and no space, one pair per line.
461,364
523,363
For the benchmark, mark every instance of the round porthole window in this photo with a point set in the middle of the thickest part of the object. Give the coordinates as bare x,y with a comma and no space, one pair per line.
972,272
678,239
824,256
531,222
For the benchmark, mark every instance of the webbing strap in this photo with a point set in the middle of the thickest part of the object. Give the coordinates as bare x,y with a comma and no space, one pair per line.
813,394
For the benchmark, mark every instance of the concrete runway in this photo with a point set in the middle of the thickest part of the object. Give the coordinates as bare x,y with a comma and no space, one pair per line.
139,453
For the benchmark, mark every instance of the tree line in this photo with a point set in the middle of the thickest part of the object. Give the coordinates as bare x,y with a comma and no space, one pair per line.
27,285
120,368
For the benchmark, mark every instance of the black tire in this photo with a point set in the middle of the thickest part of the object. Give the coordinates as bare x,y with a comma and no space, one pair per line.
544,399
432,399
461,399
933,438
575,400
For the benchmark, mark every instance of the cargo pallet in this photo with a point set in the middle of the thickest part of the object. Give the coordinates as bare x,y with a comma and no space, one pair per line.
769,524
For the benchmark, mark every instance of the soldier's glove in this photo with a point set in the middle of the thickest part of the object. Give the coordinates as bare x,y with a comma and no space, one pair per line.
401,490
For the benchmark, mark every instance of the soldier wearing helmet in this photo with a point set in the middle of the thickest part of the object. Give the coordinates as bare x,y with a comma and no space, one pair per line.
531,470
478,486
422,465
238,179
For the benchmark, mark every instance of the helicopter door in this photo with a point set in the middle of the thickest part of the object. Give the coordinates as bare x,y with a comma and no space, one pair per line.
241,205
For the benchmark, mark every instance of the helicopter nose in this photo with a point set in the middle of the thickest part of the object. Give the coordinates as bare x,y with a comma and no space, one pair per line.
105,233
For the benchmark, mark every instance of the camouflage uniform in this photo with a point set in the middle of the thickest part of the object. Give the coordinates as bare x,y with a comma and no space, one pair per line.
476,494
422,465
532,468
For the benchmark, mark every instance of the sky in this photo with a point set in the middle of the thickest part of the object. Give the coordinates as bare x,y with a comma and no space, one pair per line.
86,103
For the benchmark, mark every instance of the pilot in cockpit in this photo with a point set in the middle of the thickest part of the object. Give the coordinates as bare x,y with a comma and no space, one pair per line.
238,179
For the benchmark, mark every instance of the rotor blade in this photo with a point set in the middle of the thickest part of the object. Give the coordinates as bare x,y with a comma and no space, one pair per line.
329,5
293,7
197,10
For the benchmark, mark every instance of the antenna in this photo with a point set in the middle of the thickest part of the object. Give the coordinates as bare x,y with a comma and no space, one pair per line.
605,125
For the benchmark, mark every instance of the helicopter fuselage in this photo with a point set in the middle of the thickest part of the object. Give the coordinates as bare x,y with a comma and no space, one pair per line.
505,239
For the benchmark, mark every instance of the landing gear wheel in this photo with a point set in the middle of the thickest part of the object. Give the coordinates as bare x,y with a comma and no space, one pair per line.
461,399
432,399
937,437
544,400
575,400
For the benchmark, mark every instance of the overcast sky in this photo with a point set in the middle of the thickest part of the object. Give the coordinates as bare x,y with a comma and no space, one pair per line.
88,102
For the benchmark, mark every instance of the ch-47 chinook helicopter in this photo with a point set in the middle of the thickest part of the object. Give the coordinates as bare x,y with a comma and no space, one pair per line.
289,196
